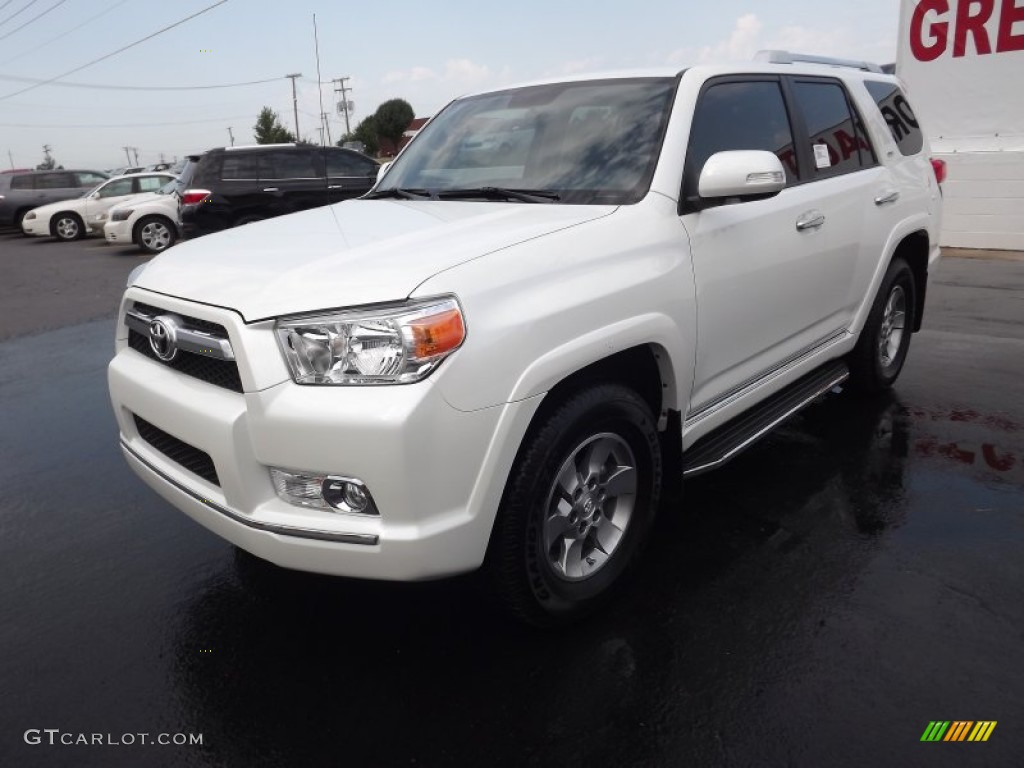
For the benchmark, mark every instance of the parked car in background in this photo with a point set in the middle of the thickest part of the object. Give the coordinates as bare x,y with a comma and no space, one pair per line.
150,221
21,192
238,185
81,216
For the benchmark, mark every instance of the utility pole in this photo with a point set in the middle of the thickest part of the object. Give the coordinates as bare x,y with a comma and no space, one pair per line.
295,103
11,158
135,151
126,155
326,124
340,87
232,136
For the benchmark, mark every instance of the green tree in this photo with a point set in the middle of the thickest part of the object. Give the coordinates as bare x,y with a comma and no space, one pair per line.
268,128
392,118
365,132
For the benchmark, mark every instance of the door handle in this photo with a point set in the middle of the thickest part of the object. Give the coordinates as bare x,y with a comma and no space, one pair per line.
891,197
271,189
334,186
810,220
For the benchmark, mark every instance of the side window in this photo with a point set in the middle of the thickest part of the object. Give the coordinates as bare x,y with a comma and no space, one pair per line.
345,164
89,179
237,167
837,141
288,165
898,115
117,188
55,181
23,182
740,115
152,183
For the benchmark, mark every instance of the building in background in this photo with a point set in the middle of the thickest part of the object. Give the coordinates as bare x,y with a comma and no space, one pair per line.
963,62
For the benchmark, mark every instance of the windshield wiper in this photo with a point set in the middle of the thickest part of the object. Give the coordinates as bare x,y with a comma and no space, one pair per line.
402,194
501,193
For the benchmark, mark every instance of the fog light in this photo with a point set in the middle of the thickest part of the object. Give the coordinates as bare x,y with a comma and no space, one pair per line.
330,492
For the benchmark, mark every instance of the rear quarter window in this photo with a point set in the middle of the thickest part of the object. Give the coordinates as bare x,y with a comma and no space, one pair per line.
898,115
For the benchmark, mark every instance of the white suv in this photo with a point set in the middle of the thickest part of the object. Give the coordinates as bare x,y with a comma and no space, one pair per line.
558,296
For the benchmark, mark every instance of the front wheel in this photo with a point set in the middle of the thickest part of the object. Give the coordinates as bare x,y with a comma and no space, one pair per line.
155,234
67,226
577,506
882,348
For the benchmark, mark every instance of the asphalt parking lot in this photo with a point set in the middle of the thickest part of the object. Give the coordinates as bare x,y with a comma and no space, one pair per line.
816,603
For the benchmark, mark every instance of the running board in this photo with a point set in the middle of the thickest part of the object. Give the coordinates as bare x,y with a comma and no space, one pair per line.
728,441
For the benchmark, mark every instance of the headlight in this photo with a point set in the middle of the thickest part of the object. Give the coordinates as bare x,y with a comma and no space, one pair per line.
121,215
395,345
30,215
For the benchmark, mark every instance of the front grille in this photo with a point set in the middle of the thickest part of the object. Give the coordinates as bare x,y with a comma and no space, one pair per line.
191,458
221,373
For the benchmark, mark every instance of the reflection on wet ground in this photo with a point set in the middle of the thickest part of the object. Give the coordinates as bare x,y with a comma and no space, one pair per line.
817,602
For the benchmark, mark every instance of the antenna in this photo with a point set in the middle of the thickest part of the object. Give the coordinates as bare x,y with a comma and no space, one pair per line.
320,89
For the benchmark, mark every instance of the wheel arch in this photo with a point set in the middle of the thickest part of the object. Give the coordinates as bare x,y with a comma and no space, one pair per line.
913,249
137,226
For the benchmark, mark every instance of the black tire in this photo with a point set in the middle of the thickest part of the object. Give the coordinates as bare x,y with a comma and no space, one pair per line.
18,216
522,560
67,226
878,358
248,219
155,234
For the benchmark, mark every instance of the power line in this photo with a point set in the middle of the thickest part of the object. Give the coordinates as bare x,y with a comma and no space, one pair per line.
6,4
150,124
103,86
19,12
64,34
37,16
114,53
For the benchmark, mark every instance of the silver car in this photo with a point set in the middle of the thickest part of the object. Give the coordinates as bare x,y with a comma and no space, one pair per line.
21,192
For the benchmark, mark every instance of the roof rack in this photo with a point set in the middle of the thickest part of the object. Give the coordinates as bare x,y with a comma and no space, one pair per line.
787,57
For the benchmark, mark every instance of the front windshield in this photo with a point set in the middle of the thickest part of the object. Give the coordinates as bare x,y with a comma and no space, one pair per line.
590,142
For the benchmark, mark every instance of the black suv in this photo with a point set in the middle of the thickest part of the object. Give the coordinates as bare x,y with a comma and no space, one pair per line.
238,185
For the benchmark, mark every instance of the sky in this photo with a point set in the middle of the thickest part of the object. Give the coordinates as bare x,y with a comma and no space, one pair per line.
148,96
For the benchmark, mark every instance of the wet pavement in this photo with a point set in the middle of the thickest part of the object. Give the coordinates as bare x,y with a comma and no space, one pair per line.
815,603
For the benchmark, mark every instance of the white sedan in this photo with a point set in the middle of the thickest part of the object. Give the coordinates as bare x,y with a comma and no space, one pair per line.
76,218
149,221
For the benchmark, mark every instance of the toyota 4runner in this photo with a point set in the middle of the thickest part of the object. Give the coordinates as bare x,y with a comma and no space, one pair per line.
557,298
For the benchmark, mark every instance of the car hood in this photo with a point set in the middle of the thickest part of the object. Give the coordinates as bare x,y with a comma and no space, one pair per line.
352,253
71,204
141,197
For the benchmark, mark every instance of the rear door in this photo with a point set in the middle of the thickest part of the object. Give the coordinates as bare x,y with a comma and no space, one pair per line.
846,179
54,186
349,174
291,181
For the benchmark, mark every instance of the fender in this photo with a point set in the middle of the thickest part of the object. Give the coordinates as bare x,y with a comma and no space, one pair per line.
918,223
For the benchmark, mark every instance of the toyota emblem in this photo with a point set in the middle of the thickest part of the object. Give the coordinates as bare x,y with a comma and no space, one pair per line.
163,338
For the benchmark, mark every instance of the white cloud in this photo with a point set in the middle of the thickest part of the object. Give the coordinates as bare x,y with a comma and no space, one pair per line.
411,75
466,71
741,44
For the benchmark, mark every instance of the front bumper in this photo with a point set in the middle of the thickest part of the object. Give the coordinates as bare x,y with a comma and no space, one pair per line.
436,473
117,232
36,227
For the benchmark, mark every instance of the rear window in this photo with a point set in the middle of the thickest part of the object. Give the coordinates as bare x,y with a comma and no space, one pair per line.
240,167
22,182
898,115
837,141
56,181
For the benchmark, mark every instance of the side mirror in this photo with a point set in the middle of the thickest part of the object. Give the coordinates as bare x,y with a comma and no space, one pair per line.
382,170
741,173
